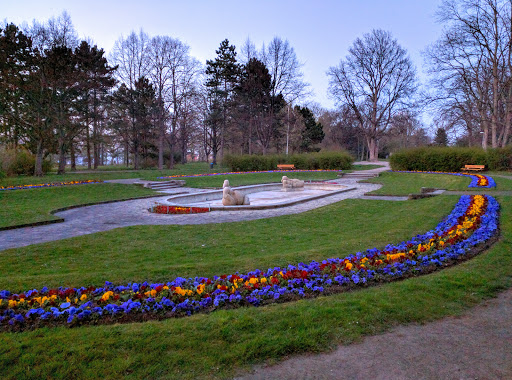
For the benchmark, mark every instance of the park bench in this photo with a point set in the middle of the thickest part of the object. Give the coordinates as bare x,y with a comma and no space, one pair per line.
285,167
475,168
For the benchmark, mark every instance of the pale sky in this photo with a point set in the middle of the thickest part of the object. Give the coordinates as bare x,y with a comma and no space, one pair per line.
320,31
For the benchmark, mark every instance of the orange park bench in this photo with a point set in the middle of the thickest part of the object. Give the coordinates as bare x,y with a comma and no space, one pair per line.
286,167
473,168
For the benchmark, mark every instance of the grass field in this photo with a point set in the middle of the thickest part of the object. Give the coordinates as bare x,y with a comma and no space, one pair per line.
411,183
223,343
106,173
34,205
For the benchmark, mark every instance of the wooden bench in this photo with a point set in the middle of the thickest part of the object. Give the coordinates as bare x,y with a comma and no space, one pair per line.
286,167
474,168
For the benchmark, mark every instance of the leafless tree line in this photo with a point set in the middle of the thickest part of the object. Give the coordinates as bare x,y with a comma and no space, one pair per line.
471,70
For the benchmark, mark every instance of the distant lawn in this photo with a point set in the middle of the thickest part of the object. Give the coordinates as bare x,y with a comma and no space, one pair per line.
410,183
103,174
115,172
34,205
255,178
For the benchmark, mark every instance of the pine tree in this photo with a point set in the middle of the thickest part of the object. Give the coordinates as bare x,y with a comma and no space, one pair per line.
313,132
222,74
441,138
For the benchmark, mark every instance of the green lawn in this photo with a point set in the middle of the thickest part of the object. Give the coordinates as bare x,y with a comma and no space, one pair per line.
223,343
34,205
411,183
255,178
151,175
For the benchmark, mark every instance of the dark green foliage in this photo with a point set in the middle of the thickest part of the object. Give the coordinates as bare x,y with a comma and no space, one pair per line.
307,161
451,159
313,132
441,138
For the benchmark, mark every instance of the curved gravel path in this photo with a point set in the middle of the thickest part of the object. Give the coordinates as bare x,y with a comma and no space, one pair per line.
104,217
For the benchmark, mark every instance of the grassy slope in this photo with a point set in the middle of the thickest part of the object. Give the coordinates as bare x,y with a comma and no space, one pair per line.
219,343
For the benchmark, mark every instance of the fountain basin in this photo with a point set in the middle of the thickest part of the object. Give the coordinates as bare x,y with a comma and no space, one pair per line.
266,196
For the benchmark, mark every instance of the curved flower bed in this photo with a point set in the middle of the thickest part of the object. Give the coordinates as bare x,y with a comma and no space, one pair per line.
473,221
252,172
53,184
164,209
477,180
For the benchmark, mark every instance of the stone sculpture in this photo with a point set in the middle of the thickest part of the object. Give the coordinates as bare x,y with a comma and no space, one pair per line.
290,184
233,197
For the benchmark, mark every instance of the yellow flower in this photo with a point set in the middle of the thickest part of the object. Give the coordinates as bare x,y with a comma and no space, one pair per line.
83,297
107,295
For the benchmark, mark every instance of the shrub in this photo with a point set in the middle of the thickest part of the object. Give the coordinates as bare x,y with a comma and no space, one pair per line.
20,162
306,161
450,159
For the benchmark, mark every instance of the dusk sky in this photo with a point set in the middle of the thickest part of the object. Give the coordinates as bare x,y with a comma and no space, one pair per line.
320,31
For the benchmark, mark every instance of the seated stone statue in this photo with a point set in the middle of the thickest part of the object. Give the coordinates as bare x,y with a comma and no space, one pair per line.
233,197
290,184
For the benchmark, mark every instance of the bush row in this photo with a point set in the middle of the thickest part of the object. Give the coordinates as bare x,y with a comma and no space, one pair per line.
451,159
306,161
19,162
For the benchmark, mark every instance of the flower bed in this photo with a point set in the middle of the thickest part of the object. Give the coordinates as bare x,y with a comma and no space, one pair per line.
253,172
164,209
472,222
477,180
53,184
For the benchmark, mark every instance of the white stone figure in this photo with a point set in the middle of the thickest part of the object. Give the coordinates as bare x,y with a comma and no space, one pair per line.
233,197
291,184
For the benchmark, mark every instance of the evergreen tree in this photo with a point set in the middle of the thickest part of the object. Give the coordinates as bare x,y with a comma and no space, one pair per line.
313,131
441,138
96,80
222,77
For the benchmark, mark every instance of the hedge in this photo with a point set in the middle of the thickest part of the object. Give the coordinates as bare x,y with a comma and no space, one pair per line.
306,161
451,159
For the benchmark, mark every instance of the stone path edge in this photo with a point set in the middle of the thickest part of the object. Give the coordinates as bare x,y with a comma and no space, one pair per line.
61,220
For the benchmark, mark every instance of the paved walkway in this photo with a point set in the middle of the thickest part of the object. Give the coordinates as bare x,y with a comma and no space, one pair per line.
91,219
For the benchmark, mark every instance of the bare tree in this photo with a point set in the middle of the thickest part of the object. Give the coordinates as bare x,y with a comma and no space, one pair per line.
287,77
132,56
376,80
472,62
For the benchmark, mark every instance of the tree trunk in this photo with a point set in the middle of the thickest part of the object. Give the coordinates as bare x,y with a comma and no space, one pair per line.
88,143
73,156
372,149
485,135
38,170
161,136
62,159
